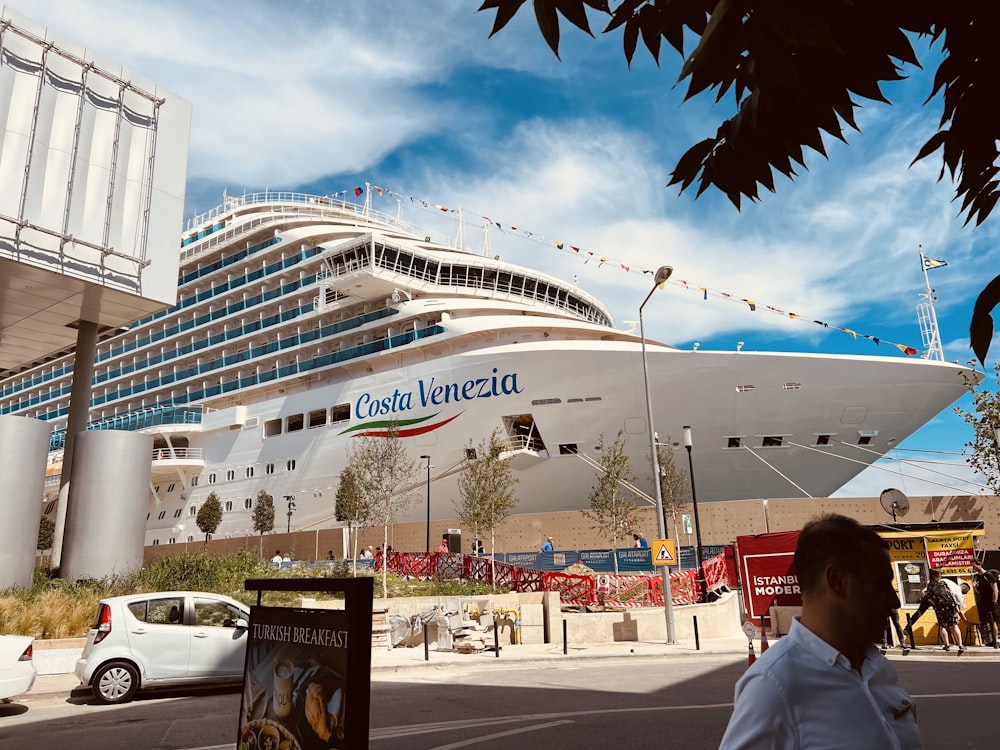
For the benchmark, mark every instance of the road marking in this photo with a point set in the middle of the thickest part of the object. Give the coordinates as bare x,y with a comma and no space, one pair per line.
441,726
498,735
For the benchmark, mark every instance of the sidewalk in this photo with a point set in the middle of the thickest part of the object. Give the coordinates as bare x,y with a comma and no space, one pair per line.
384,660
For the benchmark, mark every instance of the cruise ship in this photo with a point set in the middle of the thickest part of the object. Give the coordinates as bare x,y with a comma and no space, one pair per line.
303,322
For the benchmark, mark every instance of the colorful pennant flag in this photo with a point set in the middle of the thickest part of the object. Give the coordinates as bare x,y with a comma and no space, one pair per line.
909,351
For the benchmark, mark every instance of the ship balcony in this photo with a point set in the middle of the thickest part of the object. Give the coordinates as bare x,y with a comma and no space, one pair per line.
169,458
523,450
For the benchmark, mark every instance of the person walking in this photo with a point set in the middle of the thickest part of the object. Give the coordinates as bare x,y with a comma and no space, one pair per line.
897,626
986,591
547,546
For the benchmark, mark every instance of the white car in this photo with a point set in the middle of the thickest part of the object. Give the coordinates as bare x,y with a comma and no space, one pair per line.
17,670
163,639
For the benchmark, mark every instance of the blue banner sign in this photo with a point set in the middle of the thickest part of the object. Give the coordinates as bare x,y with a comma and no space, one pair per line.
597,559
634,560
524,559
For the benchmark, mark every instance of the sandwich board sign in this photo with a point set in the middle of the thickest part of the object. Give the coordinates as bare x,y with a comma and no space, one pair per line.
303,688
664,552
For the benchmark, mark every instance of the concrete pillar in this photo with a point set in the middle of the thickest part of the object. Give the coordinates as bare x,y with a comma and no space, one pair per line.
77,419
24,446
106,516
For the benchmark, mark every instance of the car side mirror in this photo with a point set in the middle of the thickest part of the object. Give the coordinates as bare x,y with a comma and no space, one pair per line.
242,624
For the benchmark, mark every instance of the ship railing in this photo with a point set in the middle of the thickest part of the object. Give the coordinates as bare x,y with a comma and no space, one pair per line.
136,420
178,454
513,443
299,204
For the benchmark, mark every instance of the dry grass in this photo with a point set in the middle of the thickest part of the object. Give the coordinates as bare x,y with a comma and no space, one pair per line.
55,608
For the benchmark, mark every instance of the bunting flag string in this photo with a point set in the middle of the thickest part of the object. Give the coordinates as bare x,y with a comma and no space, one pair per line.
626,266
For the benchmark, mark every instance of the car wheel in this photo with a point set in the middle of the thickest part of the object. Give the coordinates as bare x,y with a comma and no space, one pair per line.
115,682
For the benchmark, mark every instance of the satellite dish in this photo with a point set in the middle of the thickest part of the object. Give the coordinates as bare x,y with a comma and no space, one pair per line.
894,502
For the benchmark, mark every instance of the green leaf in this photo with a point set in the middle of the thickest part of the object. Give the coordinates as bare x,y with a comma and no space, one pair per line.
506,10
575,13
548,23
981,327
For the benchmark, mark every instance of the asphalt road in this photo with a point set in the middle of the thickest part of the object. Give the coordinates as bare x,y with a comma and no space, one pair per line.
638,702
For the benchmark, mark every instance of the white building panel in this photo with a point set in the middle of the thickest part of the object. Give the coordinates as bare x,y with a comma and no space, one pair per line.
93,163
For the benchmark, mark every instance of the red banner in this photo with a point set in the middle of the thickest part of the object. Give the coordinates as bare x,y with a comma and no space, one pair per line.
768,572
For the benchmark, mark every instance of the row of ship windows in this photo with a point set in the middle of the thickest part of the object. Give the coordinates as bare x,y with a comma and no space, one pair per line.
227,507
213,477
311,420
777,441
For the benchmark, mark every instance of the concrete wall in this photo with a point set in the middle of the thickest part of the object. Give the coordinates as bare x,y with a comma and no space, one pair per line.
719,619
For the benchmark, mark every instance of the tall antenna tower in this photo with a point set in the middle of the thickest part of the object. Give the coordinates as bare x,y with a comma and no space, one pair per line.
926,315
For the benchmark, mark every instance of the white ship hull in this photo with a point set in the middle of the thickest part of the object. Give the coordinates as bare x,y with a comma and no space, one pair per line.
585,393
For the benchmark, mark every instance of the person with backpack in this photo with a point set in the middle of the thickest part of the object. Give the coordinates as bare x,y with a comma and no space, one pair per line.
938,596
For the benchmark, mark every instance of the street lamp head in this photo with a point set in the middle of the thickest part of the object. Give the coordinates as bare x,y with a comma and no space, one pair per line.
687,436
663,273
426,457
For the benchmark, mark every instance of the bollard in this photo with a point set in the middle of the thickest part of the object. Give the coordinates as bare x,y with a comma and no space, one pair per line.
427,651
496,640
565,646
697,642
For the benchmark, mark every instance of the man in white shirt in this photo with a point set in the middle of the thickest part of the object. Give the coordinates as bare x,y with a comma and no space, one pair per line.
825,684
277,557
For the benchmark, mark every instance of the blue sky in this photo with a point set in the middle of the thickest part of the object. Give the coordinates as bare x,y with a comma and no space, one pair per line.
414,97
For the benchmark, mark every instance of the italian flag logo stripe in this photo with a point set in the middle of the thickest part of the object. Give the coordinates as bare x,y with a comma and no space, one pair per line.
406,427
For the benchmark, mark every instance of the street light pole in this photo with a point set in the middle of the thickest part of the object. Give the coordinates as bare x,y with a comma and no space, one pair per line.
662,274
689,444
291,509
428,460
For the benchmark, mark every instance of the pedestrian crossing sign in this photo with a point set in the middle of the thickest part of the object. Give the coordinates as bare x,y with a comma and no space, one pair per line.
664,552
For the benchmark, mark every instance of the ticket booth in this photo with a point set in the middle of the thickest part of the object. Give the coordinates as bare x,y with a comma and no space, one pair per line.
916,548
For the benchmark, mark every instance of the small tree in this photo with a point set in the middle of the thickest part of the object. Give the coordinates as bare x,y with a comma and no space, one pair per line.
46,533
209,515
486,489
263,516
674,489
386,477
983,452
613,514
352,508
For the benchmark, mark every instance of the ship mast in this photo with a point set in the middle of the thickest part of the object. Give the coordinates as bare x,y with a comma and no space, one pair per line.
927,316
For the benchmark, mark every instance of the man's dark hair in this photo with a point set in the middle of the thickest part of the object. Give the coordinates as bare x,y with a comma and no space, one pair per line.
831,539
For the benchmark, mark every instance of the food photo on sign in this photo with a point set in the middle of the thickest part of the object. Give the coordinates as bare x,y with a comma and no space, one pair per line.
295,685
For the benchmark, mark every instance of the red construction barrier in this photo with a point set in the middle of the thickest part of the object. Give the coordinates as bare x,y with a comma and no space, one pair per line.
629,590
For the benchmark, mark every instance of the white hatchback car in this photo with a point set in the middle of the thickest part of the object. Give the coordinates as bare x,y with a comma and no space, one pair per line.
163,639
17,670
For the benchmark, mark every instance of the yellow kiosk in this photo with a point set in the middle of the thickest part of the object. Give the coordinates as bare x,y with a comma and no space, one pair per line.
916,548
